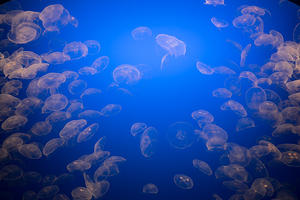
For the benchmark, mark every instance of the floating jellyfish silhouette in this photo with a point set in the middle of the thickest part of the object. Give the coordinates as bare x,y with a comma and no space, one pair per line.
202,166
204,68
219,23
172,45
181,135
141,33
126,74
150,188
214,2
24,33
183,181
93,46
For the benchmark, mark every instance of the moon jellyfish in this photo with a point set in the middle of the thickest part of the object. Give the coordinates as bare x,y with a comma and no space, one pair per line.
244,21
148,142
24,33
126,74
30,151
93,46
172,45
214,2
183,181
75,50
101,63
234,106
137,128
244,123
55,102
150,188
202,166
219,23
254,97
222,93
204,68
254,10
141,33
181,135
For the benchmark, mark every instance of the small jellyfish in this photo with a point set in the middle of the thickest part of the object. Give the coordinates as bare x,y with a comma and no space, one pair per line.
55,58
141,33
148,142
202,166
88,132
244,21
150,188
202,116
72,128
138,128
183,181
41,128
55,102
93,46
51,80
254,10
172,45
14,122
126,74
52,145
234,106
111,110
219,23
214,2
81,193
77,87
204,68
101,63
181,135
75,50
244,123
244,55
222,93
24,32
254,97
30,151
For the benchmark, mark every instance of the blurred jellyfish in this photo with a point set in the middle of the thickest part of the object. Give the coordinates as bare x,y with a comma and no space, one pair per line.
126,74
172,45
183,181
219,23
141,33
181,135
214,2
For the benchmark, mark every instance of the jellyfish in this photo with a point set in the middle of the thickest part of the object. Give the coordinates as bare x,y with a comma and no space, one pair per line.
172,45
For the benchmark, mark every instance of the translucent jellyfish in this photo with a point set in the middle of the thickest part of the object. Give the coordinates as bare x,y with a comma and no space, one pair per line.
55,102
214,2
291,114
234,106
279,78
93,46
77,87
31,71
88,132
138,128
51,80
244,123
41,128
10,67
202,116
56,58
87,71
14,122
274,38
90,115
12,87
238,154
285,67
99,145
72,128
48,192
223,70
150,188
33,90
248,75
181,135
30,151
81,193
56,16
233,171
126,74
11,173
222,93
101,63
283,129
111,110
219,23
75,50
293,86
141,33
295,97
274,151
11,144
98,189
78,165
202,166
291,158
254,10
105,171
52,145
212,131
183,181
244,21
260,188
267,107
70,75
204,68
24,32
57,117
244,55
254,97
148,142
172,45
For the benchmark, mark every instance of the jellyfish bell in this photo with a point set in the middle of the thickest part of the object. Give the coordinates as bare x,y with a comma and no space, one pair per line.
172,45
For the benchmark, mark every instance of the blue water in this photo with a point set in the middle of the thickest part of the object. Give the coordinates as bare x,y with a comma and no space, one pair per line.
165,97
